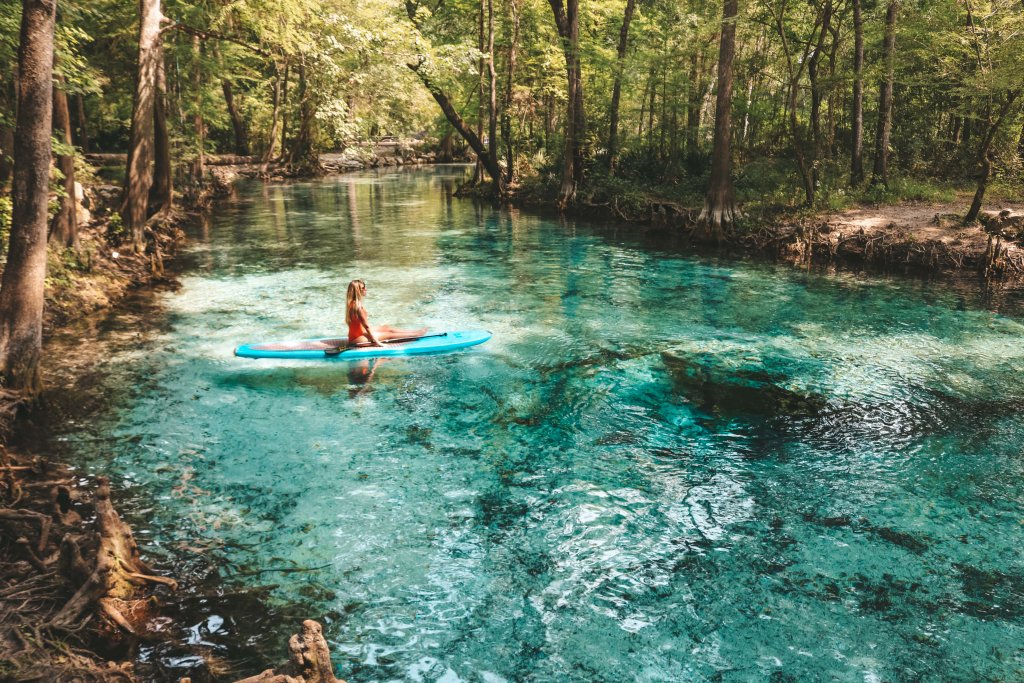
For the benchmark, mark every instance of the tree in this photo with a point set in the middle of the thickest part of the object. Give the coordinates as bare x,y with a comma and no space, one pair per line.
492,104
423,67
984,155
142,147
857,115
506,113
719,210
64,226
237,124
997,77
567,21
21,293
613,116
880,174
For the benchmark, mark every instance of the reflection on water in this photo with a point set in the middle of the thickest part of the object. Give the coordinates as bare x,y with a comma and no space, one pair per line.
662,467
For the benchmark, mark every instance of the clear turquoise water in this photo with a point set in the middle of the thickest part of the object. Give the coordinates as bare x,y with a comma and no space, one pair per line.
663,467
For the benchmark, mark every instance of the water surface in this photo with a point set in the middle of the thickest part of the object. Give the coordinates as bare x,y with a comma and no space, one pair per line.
663,467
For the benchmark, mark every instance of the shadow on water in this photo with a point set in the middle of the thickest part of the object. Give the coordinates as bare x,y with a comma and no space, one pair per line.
325,379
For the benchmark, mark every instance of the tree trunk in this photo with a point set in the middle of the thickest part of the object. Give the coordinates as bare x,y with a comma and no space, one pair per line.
8,101
446,150
651,106
268,153
478,169
309,660
284,112
795,72
139,174
857,136
199,126
613,127
663,114
506,115
830,120
21,294
813,65
567,22
458,123
303,154
984,159
694,100
83,126
492,108
1020,144
64,226
880,174
241,135
161,197
720,205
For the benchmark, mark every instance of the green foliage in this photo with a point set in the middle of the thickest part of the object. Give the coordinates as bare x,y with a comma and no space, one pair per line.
116,232
952,74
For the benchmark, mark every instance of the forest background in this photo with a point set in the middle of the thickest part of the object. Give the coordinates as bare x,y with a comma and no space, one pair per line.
737,111
832,101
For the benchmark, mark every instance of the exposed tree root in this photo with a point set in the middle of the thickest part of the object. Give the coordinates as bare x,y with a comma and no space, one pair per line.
309,660
67,588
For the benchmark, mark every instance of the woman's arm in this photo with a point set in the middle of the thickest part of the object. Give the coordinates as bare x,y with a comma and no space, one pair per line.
366,326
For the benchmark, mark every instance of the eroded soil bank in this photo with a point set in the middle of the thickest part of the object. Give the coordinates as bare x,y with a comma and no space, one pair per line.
919,238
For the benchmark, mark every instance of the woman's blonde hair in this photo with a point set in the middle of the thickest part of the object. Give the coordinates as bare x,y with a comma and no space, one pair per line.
353,299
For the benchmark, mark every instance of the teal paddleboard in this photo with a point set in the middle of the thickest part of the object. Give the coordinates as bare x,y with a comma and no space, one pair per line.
319,349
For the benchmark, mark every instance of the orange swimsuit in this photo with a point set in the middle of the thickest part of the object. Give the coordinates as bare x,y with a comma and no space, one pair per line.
355,329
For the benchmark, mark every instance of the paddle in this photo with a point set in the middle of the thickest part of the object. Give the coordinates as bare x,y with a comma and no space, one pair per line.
399,340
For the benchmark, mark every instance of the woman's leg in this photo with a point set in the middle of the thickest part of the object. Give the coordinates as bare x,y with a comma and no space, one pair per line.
388,332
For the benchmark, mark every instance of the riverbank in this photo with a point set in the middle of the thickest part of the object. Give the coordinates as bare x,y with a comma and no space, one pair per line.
911,237
75,596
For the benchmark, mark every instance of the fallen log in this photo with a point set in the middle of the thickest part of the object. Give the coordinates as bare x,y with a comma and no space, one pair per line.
113,159
230,159
309,660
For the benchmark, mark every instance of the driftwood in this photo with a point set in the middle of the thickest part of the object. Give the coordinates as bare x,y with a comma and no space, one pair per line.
309,660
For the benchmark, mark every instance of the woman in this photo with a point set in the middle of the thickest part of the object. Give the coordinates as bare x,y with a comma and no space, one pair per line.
359,330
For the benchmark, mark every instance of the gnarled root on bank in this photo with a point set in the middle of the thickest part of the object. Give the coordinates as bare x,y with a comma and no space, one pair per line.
114,584
309,660
68,589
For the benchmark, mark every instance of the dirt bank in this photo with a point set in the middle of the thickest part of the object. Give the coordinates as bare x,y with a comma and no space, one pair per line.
931,237
915,237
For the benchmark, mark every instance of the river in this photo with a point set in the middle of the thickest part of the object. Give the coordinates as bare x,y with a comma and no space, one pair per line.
663,467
